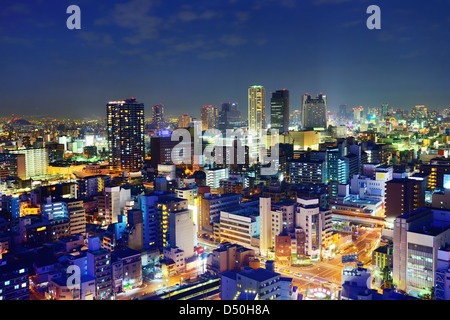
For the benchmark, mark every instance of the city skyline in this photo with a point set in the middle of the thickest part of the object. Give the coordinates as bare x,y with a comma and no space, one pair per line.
221,48
256,150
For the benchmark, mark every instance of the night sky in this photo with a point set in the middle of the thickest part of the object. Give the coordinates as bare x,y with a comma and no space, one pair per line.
185,54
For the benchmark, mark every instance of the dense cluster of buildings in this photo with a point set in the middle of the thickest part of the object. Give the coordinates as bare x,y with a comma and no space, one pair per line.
108,199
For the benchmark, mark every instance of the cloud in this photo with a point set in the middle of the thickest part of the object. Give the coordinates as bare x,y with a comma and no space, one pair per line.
288,3
385,37
241,16
134,15
233,40
95,38
353,23
15,8
188,15
187,46
16,40
324,2
107,62
212,55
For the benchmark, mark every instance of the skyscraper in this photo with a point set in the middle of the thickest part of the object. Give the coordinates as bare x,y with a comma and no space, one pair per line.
256,109
314,111
158,117
229,117
125,134
279,110
184,120
209,116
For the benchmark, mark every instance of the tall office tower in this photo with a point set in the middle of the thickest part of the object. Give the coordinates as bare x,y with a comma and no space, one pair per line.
275,219
307,171
125,134
158,117
99,266
77,216
342,110
36,161
161,150
112,202
403,196
256,109
316,223
385,109
337,168
165,207
210,206
182,232
314,111
136,227
279,110
147,205
14,280
438,171
418,237
184,120
12,165
209,116
229,116
214,175
265,227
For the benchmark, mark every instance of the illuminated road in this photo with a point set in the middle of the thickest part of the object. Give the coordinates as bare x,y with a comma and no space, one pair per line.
327,272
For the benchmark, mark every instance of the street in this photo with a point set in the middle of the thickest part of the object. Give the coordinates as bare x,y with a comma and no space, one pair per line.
328,272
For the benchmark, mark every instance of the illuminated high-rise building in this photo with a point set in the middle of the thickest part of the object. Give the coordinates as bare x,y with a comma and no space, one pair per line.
342,110
184,120
279,110
209,117
125,129
36,162
314,111
256,109
158,117
229,116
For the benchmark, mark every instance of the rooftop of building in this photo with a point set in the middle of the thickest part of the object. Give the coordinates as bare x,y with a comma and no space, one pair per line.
447,248
431,221
259,274
215,169
249,211
301,160
351,155
382,249
213,196
42,260
98,252
247,295
169,198
125,253
283,203
224,246
229,274
62,280
11,266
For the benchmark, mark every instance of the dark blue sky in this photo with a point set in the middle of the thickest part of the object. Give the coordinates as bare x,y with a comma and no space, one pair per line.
186,54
